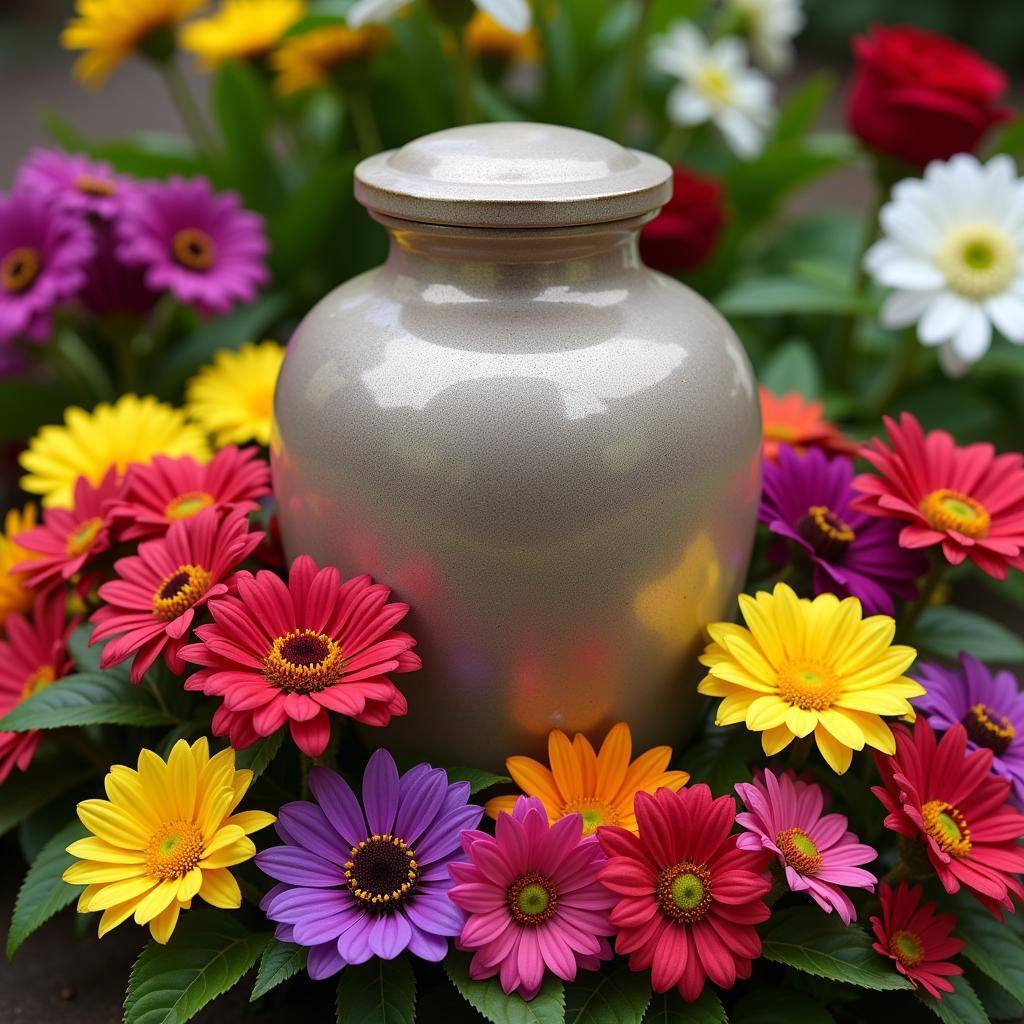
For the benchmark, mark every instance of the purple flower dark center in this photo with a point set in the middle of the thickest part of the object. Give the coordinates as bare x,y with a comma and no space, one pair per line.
19,268
988,728
194,249
381,872
90,185
825,532
532,899
684,892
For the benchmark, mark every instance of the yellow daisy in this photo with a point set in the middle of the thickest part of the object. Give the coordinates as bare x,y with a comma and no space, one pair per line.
233,397
14,595
133,429
489,39
803,667
307,61
601,786
241,30
109,31
165,835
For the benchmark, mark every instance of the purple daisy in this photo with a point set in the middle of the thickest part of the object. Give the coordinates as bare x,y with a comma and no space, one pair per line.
819,855
990,707
199,245
806,500
355,886
72,182
43,256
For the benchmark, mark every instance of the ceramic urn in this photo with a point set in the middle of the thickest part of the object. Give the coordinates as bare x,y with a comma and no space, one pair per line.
550,451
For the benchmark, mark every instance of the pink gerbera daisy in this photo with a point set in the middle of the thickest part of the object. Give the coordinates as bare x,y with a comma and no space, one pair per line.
68,539
969,500
150,607
689,896
534,899
290,653
167,490
34,655
817,852
73,182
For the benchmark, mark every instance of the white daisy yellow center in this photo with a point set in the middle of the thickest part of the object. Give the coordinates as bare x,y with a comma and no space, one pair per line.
715,85
978,260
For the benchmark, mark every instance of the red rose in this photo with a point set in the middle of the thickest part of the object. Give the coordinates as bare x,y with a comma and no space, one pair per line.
682,236
920,96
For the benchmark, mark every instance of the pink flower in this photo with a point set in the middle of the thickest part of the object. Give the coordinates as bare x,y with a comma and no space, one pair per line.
73,182
167,490
533,898
151,606
818,853
290,653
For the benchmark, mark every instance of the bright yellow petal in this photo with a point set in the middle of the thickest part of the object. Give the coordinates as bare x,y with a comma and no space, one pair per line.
214,808
130,890
835,753
251,821
876,731
189,885
112,824
157,900
774,740
877,702
92,848
500,804
734,708
161,927
763,628
613,758
873,637
766,713
181,770
87,872
800,722
749,658
887,666
220,889
235,853
843,727
113,916
124,789
736,674
224,836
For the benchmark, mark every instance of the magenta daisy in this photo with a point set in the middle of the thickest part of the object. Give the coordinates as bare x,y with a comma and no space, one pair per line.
149,608
43,254
111,285
68,539
290,653
199,245
818,853
72,182
533,898
167,490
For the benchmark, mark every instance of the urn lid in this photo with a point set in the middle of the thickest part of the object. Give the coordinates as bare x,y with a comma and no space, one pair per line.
513,175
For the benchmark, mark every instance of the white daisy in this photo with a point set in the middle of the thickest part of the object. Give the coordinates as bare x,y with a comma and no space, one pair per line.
770,25
716,83
952,249
513,14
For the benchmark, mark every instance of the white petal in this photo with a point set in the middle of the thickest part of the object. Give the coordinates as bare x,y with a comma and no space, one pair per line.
686,106
745,138
1006,311
363,11
943,318
973,338
909,224
909,272
730,53
901,309
952,364
513,14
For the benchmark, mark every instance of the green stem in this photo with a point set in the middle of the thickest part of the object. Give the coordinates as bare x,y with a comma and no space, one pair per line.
127,370
936,575
364,123
674,143
465,102
188,109
631,71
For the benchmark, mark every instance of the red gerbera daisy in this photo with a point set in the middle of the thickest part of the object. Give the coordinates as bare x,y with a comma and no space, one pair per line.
34,655
917,938
67,539
791,419
690,898
950,801
290,653
167,490
969,500
150,607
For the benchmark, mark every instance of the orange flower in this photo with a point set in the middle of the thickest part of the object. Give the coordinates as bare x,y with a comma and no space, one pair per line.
599,786
791,419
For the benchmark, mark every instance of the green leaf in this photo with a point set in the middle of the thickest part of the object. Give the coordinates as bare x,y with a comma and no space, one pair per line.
207,954
808,940
723,758
26,405
279,962
779,1006
773,296
377,992
669,1008
90,698
947,631
43,893
477,778
792,368
26,792
991,946
257,757
85,657
961,1006
489,1000
616,995
998,1003
803,106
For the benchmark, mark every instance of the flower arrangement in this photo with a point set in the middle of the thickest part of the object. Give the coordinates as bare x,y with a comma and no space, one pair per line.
843,833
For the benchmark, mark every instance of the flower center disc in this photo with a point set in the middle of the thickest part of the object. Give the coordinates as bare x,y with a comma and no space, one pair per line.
906,947
532,899
951,510
90,185
988,728
82,537
179,591
19,268
829,535
684,892
194,249
978,260
947,826
799,850
595,813
185,506
39,680
381,871
809,684
716,85
174,849
304,661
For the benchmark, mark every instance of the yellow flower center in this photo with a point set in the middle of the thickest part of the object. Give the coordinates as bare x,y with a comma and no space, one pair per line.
829,535
684,892
194,249
82,537
174,849
988,728
978,260
715,84
19,268
799,850
185,506
595,812
809,684
179,591
532,899
951,510
39,680
779,432
381,871
303,661
947,826
906,947
90,185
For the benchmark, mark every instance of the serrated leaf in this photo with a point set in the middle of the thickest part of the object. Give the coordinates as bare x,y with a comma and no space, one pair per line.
779,1006
616,995
26,792
669,1008
477,778
489,1000
43,893
947,631
991,946
998,1003
258,756
808,940
207,954
377,992
279,962
961,1006
89,698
